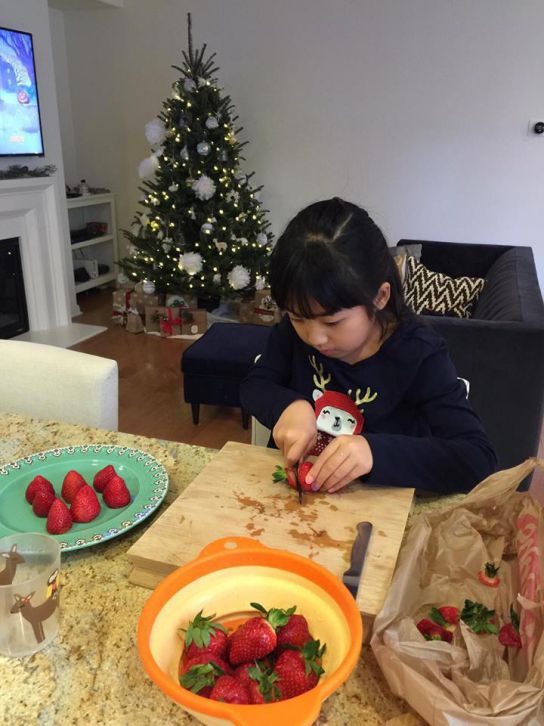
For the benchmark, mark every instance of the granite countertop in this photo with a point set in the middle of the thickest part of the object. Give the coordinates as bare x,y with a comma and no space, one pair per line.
91,673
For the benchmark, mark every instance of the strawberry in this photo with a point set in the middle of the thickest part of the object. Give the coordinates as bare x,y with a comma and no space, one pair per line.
116,493
299,670
294,633
229,690
85,505
262,685
509,633
39,482
204,659
59,519
433,631
43,499
204,636
72,482
488,575
200,673
447,616
286,474
102,477
256,638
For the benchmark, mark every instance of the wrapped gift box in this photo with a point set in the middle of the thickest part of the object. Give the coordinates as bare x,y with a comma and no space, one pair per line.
141,301
121,304
194,321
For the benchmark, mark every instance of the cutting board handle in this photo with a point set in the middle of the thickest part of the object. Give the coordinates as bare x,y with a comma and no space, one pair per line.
228,544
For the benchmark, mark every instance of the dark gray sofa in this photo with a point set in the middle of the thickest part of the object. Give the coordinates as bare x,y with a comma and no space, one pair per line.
500,349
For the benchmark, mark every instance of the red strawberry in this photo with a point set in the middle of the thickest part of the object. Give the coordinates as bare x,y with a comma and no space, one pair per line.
229,690
43,499
286,474
294,633
262,685
447,616
102,477
299,670
116,493
489,575
59,519
85,505
204,659
433,631
38,483
204,636
72,482
200,673
241,673
257,636
509,636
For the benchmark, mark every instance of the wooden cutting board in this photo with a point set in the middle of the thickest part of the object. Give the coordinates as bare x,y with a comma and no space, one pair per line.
234,495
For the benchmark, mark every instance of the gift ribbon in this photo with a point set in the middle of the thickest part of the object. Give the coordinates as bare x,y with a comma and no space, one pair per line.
167,326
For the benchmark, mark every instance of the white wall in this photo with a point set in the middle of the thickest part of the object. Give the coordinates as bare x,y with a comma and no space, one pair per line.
416,109
33,17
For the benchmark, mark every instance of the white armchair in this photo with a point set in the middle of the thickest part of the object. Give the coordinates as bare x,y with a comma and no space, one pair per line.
55,383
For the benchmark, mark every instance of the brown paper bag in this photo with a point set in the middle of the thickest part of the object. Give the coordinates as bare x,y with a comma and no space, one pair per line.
134,321
194,322
265,310
474,679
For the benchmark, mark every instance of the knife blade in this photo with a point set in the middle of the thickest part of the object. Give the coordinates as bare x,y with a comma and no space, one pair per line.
352,575
297,482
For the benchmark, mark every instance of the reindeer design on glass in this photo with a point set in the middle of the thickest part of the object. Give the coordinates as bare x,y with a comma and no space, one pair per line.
13,558
336,413
36,615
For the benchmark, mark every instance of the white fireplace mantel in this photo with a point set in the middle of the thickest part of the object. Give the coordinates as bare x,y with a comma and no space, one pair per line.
30,210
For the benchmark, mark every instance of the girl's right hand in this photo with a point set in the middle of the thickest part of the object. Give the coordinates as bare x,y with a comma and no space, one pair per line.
295,432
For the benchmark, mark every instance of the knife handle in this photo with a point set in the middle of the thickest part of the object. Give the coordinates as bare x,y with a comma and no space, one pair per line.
358,551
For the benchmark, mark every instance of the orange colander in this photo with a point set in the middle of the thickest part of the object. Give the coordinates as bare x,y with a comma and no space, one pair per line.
224,579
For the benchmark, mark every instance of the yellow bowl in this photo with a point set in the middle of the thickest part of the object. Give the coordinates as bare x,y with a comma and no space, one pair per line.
224,579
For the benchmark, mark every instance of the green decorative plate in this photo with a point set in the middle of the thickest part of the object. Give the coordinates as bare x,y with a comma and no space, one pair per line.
146,479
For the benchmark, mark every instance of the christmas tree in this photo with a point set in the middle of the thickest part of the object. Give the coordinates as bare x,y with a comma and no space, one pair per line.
202,229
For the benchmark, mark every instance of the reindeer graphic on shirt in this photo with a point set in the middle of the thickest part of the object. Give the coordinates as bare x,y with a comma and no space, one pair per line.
336,413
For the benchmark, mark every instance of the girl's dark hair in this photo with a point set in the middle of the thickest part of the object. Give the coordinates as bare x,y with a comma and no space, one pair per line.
334,254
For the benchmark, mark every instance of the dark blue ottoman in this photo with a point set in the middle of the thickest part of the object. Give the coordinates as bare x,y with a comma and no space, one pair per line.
214,366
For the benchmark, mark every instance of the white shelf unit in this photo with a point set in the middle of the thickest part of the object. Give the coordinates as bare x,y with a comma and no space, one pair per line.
103,249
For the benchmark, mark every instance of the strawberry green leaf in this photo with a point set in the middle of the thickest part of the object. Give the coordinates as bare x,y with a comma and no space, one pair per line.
279,474
259,607
514,617
477,617
490,569
437,616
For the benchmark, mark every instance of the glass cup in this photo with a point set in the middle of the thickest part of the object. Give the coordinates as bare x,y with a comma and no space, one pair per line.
29,593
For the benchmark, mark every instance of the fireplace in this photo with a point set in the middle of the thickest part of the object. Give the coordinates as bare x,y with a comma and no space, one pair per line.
13,310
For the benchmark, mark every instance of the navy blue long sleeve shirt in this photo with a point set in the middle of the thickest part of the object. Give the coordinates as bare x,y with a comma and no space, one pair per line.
421,429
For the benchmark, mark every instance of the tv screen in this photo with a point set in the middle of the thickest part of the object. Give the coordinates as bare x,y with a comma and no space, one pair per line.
20,126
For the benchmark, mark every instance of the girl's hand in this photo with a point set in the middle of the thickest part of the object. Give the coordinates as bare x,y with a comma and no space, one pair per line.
295,431
344,459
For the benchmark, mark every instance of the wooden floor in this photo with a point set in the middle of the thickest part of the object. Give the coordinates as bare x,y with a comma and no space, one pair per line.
151,385
150,382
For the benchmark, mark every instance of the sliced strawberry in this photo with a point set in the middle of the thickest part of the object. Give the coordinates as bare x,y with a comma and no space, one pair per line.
39,482
72,482
229,690
102,477
116,493
59,519
488,575
43,499
85,505
295,633
287,475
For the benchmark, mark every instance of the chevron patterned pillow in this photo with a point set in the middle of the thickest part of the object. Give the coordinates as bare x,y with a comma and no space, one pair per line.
426,291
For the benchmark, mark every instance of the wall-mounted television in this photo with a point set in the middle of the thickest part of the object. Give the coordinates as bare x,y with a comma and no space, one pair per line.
20,123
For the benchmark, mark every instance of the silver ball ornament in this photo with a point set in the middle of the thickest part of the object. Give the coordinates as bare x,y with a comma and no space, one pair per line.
148,287
207,228
203,148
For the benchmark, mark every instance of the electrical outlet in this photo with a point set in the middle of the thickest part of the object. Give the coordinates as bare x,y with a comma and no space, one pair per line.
536,127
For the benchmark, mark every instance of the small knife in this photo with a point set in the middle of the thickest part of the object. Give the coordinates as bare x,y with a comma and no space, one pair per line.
297,482
352,576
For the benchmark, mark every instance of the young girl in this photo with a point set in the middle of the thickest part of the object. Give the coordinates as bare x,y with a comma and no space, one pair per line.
350,375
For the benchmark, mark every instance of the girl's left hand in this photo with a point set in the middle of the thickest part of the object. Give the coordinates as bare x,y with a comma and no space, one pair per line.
342,461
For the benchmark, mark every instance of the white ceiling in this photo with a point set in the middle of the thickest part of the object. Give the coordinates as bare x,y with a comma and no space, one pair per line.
84,4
